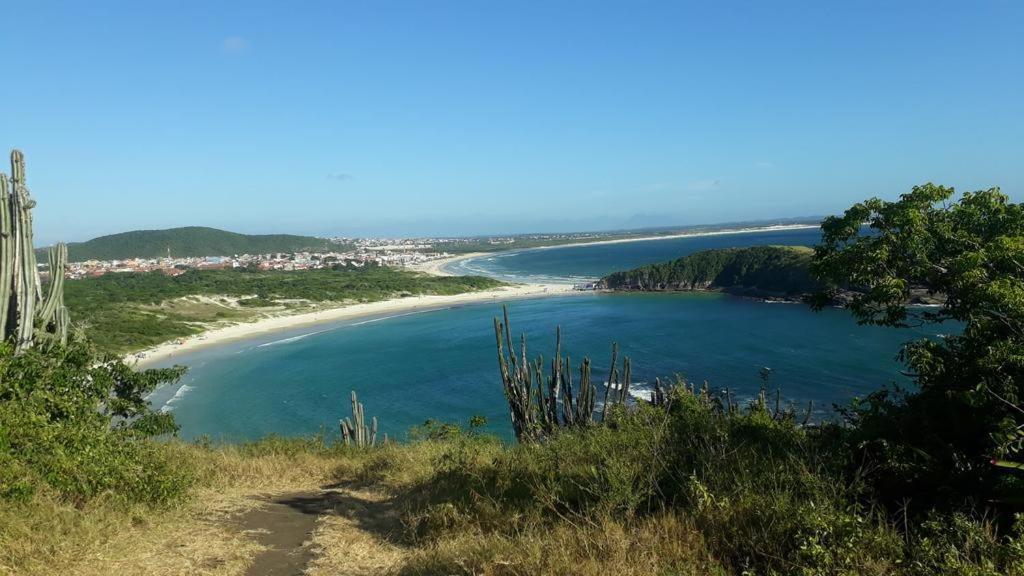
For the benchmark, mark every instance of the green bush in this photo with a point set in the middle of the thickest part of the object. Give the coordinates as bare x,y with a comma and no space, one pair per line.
932,447
961,545
79,424
766,494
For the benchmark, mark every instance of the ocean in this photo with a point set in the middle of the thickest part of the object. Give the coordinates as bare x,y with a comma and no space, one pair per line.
441,365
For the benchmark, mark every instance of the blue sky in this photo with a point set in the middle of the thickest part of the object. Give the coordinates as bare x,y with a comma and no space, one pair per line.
479,117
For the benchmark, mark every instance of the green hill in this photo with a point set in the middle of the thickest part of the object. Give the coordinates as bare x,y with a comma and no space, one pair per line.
189,241
762,270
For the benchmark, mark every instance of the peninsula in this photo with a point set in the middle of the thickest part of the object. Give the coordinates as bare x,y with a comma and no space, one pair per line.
770,272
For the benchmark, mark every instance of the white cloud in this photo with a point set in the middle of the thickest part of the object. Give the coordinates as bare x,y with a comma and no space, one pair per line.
234,45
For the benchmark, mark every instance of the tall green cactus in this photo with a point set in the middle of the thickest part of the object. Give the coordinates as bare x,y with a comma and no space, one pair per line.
58,258
354,430
534,412
6,256
25,314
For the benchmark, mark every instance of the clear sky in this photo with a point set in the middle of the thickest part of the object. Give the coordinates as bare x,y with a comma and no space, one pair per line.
434,117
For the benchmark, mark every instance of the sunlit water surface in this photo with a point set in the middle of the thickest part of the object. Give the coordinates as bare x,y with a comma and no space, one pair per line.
441,364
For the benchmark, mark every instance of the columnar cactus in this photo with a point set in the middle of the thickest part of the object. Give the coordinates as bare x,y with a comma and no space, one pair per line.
25,314
6,255
534,412
355,431
54,300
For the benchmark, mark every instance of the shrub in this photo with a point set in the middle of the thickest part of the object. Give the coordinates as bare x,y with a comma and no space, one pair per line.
80,425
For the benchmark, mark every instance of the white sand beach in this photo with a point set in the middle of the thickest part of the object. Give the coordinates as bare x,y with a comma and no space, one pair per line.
437,267
243,330
169,350
696,234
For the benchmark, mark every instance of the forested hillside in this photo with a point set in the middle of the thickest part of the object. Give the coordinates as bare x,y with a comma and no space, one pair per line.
781,270
189,241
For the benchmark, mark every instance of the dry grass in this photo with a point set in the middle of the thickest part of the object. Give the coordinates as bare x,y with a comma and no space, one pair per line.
202,309
365,534
46,536
361,538
199,536
659,545
397,467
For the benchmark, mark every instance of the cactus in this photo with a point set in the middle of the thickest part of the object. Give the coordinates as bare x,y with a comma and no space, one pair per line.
540,404
26,316
6,255
54,300
612,377
355,431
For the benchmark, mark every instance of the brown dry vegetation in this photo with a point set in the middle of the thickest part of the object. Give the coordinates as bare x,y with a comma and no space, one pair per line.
199,535
367,531
448,504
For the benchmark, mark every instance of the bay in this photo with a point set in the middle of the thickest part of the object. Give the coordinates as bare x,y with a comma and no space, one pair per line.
441,364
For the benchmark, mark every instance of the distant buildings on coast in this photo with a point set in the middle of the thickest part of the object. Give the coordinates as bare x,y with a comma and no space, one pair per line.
396,253
352,252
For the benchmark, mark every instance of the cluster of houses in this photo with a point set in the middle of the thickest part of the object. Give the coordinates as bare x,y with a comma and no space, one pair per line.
275,261
399,252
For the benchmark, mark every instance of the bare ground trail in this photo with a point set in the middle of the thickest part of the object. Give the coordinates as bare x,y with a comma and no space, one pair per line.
329,531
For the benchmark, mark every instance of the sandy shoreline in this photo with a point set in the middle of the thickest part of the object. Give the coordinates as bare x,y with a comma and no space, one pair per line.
437,267
777,228
169,350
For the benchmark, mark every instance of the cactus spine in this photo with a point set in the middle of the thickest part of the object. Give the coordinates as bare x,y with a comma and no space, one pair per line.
355,431
25,314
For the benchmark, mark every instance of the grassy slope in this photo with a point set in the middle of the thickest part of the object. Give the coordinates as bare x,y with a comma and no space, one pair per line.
764,269
189,241
200,535
132,311
590,502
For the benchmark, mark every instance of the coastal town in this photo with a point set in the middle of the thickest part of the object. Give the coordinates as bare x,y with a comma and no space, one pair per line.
351,253
393,252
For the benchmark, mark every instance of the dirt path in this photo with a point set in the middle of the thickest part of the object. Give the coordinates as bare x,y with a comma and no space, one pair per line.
325,531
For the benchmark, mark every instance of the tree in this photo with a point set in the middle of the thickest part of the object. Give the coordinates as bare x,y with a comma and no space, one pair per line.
935,442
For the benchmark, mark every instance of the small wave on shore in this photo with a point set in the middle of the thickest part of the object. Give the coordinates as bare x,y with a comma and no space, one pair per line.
184,389
373,320
291,339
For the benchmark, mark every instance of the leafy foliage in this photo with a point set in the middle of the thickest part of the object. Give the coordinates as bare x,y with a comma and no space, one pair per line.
933,445
749,490
761,269
79,423
190,241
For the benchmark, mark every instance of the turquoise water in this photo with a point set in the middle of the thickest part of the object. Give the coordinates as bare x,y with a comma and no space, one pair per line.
441,364
590,262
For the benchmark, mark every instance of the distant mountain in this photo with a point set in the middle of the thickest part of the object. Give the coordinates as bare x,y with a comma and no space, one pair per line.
188,241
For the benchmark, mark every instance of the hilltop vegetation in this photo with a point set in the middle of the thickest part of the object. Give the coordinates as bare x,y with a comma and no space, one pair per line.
190,241
694,489
130,311
762,270
914,482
